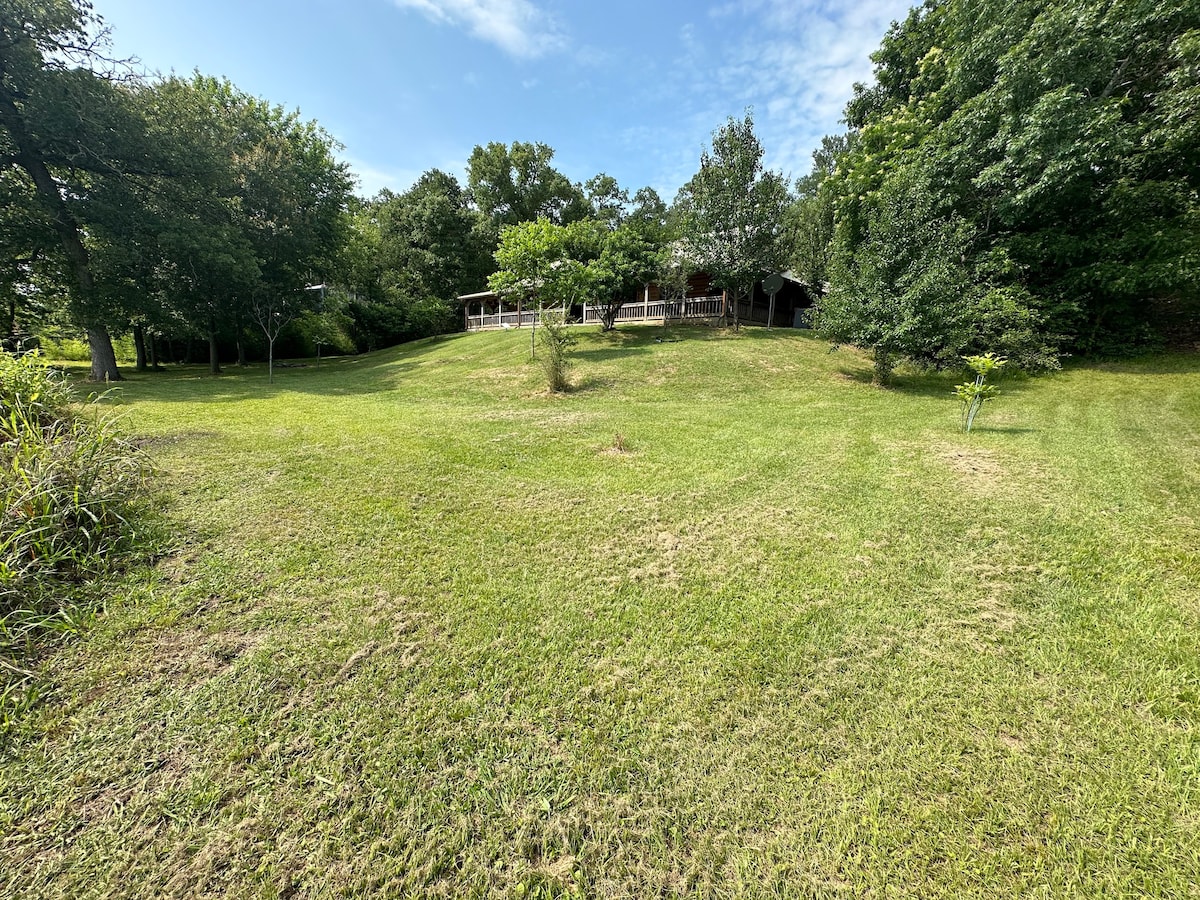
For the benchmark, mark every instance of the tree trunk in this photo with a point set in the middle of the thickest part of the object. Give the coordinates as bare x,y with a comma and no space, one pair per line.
214,356
29,158
11,326
153,352
104,358
139,345
241,352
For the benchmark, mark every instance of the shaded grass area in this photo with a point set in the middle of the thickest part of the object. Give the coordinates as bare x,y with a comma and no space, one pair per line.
431,632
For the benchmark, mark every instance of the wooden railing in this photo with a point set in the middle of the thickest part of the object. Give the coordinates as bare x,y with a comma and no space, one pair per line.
658,310
634,311
507,319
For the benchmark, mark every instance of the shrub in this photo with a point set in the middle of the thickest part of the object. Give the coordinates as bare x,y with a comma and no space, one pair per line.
74,494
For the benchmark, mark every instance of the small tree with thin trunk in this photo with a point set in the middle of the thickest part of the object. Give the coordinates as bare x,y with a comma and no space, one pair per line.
530,259
274,312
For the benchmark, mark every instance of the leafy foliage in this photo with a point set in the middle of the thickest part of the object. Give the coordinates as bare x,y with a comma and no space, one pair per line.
1054,175
556,340
168,206
809,221
408,256
973,394
586,261
516,184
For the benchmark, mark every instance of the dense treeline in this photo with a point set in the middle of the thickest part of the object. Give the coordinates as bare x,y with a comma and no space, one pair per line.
177,207
1021,177
410,255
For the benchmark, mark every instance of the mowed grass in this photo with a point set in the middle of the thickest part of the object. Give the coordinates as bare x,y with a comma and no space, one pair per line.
433,632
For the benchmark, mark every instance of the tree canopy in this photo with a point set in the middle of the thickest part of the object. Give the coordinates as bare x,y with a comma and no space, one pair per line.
732,211
1043,145
517,184
178,203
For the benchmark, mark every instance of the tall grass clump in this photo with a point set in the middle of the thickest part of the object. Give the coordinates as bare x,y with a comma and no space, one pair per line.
556,340
74,495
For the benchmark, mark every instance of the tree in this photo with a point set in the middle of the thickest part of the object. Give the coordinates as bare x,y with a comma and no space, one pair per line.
535,265
528,262
517,184
409,256
628,259
650,216
732,212
433,243
59,122
809,222
902,293
607,201
207,267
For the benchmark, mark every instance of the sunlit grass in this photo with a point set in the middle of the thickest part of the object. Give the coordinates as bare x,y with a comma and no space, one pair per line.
723,621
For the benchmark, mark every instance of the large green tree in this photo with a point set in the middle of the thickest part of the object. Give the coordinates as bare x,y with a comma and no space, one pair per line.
434,244
809,222
731,212
517,183
65,132
410,255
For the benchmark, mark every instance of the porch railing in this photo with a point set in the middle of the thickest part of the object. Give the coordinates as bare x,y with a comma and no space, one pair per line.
635,311
509,319
658,310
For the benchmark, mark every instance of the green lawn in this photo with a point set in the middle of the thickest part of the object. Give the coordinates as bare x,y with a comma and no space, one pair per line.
431,632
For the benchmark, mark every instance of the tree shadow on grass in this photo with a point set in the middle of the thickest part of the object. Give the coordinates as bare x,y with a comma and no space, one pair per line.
939,385
620,343
935,385
1177,363
1004,429
590,384
368,373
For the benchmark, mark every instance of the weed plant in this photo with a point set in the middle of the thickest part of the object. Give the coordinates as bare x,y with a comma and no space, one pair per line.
973,394
73,493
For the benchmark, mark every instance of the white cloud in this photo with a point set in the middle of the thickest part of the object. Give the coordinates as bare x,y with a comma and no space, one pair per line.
518,27
372,179
796,64
794,61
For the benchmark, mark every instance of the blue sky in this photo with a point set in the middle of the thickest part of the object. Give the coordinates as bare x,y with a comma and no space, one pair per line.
634,89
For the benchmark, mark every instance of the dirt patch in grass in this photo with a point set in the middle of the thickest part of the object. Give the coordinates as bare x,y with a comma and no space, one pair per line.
539,416
189,654
620,446
977,467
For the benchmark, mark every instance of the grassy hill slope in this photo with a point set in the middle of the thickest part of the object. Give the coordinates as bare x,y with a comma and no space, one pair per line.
724,621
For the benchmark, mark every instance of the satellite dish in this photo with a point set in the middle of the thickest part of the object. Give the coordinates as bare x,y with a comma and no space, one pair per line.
773,284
